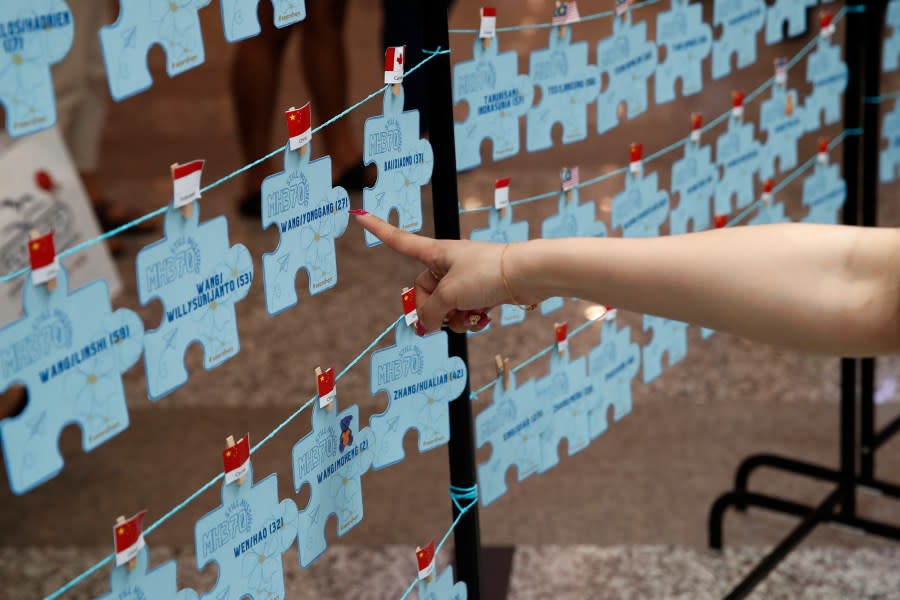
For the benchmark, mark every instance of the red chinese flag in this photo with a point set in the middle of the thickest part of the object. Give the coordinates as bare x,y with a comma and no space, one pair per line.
562,332
425,560
768,186
129,538
825,19
41,251
409,305
325,384
237,459
299,123
696,121
636,152
720,221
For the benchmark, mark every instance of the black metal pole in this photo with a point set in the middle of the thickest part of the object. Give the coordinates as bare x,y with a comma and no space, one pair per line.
875,12
445,200
853,100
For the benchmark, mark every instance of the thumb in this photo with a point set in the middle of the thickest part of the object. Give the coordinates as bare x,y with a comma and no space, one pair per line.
436,306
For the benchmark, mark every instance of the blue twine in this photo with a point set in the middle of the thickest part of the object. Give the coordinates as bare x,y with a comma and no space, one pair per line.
161,210
534,26
807,48
456,494
184,503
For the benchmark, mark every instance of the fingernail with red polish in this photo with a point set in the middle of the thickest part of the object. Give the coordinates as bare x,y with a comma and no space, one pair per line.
420,329
358,211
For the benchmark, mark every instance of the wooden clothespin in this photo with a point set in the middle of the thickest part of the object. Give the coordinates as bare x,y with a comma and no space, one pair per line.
502,370
299,123
43,259
236,458
570,180
186,184
394,57
488,28
326,387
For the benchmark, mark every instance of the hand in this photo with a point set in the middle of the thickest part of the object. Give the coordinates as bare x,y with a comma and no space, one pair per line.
462,280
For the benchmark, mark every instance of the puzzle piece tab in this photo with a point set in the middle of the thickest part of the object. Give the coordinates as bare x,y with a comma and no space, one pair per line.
421,379
443,588
741,20
629,59
694,179
199,279
571,220
739,155
496,96
240,22
890,60
511,425
246,537
141,583
889,159
35,34
641,208
404,164
332,459
310,215
69,350
612,365
668,336
173,24
502,230
824,193
792,12
781,117
688,40
568,84
827,72
567,396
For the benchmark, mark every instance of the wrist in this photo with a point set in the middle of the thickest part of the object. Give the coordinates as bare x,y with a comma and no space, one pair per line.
523,272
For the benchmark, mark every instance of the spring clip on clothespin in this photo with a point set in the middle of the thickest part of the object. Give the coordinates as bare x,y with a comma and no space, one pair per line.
502,370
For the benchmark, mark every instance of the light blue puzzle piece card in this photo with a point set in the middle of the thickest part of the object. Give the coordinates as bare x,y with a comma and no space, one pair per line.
404,164
331,459
502,230
769,213
246,537
781,117
571,220
496,96
421,379
512,426
741,20
641,208
739,155
566,395
827,72
890,57
889,159
612,365
629,59
310,216
824,193
668,336
792,12
688,40
141,583
199,279
443,588
35,34
694,179
172,24
568,84
69,350
240,21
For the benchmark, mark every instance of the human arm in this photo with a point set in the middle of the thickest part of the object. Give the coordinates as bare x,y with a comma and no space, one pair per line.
817,288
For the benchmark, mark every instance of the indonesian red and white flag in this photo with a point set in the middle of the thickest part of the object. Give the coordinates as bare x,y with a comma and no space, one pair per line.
488,27
186,181
129,538
501,193
408,295
327,387
696,127
565,13
569,177
610,313
767,194
42,255
393,64
737,104
562,336
299,122
425,560
237,459
822,153
720,221
636,153
826,23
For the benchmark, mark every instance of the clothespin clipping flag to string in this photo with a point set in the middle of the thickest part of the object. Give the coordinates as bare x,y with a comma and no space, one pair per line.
129,538
501,193
393,64
425,560
299,124
236,459
42,255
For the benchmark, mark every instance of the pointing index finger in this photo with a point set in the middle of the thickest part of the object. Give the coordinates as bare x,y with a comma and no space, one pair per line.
408,244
